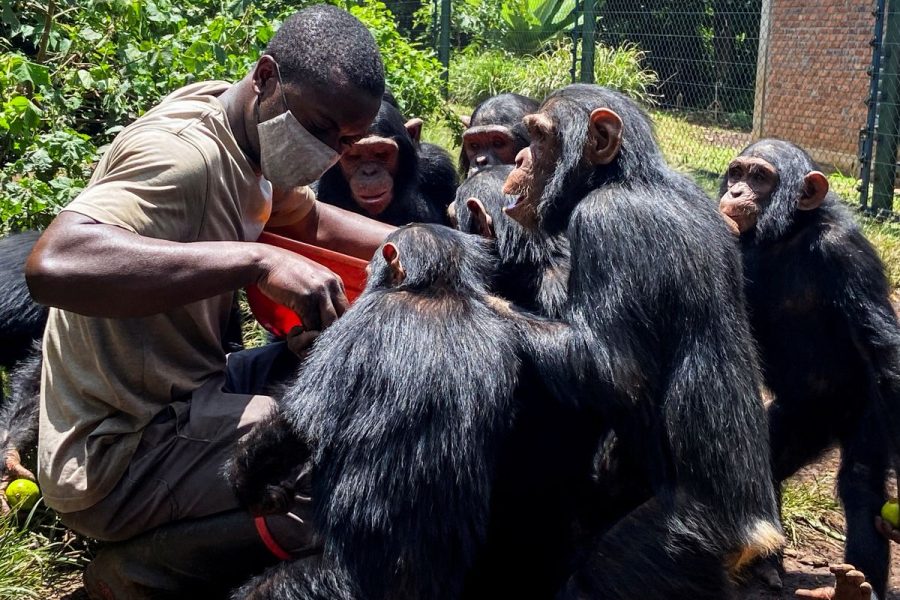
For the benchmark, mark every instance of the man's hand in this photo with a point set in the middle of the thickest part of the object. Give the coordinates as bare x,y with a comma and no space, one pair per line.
315,293
11,469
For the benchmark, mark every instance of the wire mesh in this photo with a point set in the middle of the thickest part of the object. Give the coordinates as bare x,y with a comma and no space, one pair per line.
714,74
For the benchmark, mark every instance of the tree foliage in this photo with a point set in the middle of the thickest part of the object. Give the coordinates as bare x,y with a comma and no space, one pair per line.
77,71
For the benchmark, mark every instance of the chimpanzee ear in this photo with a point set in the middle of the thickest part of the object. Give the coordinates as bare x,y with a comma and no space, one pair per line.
466,120
606,126
414,128
391,255
815,188
484,220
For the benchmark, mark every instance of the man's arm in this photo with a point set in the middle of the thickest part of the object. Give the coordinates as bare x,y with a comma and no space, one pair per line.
102,270
327,226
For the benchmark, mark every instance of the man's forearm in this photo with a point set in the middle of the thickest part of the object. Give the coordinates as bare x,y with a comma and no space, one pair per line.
104,271
337,229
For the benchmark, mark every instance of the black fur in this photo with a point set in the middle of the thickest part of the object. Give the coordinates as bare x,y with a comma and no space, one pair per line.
534,267
19,413
405,402
22,320
829,344
410,203
502,109
437,175
656,340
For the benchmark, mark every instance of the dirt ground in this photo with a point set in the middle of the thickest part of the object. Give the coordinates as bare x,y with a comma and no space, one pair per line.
806,565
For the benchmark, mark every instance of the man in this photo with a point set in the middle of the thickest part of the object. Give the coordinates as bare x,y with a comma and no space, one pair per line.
139,411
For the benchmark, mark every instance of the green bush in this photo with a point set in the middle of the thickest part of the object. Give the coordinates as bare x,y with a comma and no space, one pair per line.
475,76
101,64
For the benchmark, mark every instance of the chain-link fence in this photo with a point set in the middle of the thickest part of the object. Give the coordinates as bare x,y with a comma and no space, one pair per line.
714,74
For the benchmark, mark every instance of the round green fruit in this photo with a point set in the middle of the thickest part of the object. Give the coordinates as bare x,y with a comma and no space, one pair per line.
890,512
22,494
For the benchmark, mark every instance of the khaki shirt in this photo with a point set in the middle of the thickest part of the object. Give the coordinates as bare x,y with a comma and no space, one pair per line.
177,174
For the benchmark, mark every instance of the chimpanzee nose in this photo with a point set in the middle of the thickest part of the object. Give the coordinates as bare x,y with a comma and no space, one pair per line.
369,170
523,158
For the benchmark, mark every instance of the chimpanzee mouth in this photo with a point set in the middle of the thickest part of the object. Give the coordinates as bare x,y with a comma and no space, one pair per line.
516,201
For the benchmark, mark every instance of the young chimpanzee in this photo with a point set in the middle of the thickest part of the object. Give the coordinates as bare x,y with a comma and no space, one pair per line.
828,338
534,267
494,133
381,177
22,319
437,174
19,416
655,338
405,402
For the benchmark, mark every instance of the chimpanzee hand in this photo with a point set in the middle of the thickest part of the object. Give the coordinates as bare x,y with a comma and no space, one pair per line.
270,467
299,341
10,469
887,530
309,289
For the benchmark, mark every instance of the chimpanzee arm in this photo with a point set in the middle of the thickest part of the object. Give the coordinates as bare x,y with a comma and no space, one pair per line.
19,415
267,466
857,277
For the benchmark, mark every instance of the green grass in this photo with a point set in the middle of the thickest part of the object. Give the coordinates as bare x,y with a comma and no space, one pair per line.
35,551
810,506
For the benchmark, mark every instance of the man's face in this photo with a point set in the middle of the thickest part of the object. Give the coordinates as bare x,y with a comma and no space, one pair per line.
338,117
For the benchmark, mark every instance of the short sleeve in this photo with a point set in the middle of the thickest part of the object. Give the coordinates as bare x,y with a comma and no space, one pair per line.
292,207
151,182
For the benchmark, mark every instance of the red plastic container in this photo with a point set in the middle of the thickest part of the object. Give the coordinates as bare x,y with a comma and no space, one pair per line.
278,318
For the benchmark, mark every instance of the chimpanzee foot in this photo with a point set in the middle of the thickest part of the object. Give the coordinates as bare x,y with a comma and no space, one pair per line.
849,584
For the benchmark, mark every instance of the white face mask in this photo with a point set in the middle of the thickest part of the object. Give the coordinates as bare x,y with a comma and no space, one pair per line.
291,156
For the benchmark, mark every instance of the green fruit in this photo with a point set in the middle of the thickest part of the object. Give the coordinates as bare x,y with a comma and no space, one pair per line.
22,494
890,512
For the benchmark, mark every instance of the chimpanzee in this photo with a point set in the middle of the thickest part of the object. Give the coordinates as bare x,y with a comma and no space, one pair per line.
828,339
381,176
494,133
534,267
655,338
22,319
405,402
19,414
437,174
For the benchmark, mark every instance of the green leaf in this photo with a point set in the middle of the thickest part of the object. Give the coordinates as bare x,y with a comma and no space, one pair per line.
87,82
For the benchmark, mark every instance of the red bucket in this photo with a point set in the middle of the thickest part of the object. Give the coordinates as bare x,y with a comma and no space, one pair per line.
280,319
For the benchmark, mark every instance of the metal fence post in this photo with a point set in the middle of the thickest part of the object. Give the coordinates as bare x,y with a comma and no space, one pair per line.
444,46
865,153
887,135
589,27
576,37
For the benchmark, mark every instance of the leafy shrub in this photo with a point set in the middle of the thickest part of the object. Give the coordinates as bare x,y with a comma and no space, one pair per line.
475,76
103,63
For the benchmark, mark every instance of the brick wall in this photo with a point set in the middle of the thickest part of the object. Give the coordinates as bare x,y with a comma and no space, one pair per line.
812,82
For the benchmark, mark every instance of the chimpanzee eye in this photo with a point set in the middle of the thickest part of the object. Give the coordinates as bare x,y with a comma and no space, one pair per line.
498,143
734,172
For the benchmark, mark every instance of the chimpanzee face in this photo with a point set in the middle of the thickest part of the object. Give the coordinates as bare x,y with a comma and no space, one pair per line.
752,184
369,166
750,181
545,160
486,145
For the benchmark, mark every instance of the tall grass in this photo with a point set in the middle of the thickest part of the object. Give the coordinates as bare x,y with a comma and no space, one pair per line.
477,76
30,561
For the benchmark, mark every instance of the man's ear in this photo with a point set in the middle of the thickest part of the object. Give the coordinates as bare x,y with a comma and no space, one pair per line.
414,128
391,255
815,188
262,72
606,127
482,218
466,120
